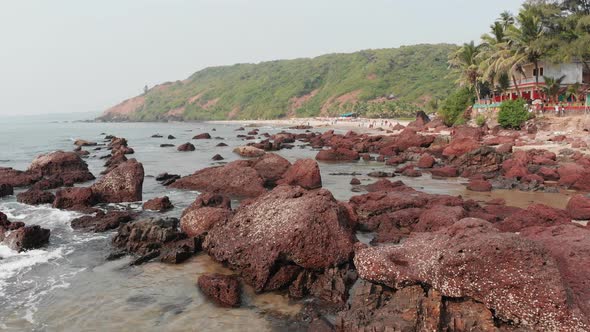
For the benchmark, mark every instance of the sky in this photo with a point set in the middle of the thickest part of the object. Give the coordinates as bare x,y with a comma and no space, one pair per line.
64,56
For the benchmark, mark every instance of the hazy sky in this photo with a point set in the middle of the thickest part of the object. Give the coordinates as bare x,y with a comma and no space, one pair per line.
80,55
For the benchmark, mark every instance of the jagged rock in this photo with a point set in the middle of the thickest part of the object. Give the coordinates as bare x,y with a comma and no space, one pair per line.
222,289
123,184
286,228
101,221
6,190
35,197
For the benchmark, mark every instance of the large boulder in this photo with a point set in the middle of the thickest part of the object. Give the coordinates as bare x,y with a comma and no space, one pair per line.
65,165
101,221
27,238
35,197
123,184
514,277
578,207
479,161
569,245
271,167
222,289
236,179
205,212
288,229
75,198
304,173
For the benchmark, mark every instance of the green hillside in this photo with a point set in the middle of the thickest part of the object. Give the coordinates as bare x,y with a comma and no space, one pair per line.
325,85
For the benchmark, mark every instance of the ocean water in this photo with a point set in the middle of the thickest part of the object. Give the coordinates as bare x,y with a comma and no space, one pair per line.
69,286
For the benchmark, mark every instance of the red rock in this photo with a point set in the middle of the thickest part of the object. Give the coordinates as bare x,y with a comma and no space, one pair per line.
445,171
339,154
186,147
578,207
484,160
271,167
548,174
236,179
411,172
222,289
534,215
123,184
505,148
569,173
516,172
479,185
205,212
384,185
202,136
75,198
287,226
304,173
65,165
160,204
6,190
409,138
425,161
472,259
460,146
101,222
355,181
528,178
438,217
393,226
475,133
395,160
568,244
27,238
35,197
18,178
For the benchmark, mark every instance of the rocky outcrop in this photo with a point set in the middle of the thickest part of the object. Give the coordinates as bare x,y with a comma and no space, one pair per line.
18,178
304,173
338,154
222,289
75,198
205,212
19,237
101,221
460,146
160,204
271,167
123,184
35,197
152,238
457,261
271,239
534,215
67,166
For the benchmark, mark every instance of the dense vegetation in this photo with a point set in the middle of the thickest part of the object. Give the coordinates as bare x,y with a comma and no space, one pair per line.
376,83
543,30
513,113
454,106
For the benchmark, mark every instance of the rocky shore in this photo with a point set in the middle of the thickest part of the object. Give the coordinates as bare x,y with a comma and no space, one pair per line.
433,262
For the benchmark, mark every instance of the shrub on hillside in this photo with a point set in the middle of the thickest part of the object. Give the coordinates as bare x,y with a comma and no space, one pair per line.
480,120
513,114
455,105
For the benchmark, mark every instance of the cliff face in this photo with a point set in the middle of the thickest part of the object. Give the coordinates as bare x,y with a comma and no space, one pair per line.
373,82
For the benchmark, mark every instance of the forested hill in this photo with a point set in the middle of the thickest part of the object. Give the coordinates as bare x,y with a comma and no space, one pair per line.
384,82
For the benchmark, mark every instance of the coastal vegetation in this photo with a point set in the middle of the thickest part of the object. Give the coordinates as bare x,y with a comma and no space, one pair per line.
374,83
513,113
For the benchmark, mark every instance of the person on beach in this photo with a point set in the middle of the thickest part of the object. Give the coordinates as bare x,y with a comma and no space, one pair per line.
557,110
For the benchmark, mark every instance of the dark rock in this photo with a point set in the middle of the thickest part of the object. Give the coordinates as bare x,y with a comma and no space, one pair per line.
101,221
186,147
75,198
202,136
166,145
6,190
217,157
171,137
18,178
27,238
355,181
222,289
221,144
35,197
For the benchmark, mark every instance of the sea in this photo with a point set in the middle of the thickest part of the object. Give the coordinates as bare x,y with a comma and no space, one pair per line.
69,285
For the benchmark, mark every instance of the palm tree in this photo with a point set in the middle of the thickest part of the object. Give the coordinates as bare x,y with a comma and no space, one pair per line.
525,40
573,91
465,62
552,87
506,19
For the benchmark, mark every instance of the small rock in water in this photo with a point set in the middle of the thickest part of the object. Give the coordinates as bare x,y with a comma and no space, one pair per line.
217,157
222,289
